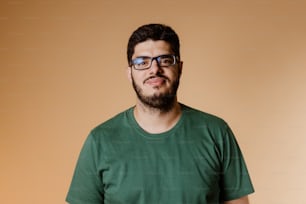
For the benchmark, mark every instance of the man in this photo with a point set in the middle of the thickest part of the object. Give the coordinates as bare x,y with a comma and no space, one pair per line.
159,151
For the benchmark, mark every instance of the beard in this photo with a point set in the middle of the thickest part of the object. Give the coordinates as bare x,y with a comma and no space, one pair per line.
163,102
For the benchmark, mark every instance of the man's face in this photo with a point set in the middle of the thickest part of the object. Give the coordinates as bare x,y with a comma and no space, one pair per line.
155,87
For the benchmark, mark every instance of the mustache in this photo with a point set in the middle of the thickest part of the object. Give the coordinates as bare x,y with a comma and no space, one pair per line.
156,76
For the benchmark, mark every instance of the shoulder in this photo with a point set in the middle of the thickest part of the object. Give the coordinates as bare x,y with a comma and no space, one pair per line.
210,128
116,123
196,116
207,126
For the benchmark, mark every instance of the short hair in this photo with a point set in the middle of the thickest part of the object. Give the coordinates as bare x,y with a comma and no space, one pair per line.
154,32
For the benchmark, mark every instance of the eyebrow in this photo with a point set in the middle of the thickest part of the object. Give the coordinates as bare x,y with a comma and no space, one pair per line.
142,56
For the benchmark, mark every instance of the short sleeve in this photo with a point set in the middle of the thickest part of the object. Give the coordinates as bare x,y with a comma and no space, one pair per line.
235,181
86,186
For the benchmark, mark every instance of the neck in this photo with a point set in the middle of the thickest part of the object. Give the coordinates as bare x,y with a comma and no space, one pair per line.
154,120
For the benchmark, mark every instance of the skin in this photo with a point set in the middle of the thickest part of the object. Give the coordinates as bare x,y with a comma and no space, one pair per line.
155,120
242,200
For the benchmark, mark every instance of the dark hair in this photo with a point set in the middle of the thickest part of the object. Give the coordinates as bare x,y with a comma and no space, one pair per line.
153,32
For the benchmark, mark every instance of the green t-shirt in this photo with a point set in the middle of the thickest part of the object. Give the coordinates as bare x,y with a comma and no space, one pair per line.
196,162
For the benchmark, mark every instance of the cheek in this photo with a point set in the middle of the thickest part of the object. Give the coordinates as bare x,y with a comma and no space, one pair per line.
138,78
175,75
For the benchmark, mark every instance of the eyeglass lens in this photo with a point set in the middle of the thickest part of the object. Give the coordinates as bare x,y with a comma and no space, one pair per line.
146,62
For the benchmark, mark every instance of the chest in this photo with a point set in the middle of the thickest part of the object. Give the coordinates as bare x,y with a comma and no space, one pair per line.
167,171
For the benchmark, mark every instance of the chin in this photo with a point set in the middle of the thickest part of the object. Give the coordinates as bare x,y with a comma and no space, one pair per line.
158,92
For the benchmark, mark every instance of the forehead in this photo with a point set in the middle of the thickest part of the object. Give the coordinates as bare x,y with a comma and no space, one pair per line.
152,48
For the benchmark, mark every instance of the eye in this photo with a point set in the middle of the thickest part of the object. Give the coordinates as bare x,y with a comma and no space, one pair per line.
141,62
144,63
166,60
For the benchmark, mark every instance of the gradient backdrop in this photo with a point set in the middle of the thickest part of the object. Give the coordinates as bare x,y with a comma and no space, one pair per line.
62,72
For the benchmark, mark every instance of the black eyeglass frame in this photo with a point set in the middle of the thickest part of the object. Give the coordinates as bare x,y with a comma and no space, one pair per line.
157,58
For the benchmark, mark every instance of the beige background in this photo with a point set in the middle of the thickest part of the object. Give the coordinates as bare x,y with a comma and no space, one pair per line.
63,72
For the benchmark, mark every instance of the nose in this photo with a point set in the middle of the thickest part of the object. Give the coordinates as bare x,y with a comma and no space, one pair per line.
155,68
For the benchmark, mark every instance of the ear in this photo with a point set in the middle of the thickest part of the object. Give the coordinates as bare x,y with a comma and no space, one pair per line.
129,73
180,67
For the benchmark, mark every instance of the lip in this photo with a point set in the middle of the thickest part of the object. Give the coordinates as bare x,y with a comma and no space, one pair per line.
155,81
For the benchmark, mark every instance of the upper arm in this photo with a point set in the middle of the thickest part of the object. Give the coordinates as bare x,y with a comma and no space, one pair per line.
86,185
242,200
235,180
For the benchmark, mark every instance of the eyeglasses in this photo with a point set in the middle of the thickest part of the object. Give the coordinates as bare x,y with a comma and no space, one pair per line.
142,63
